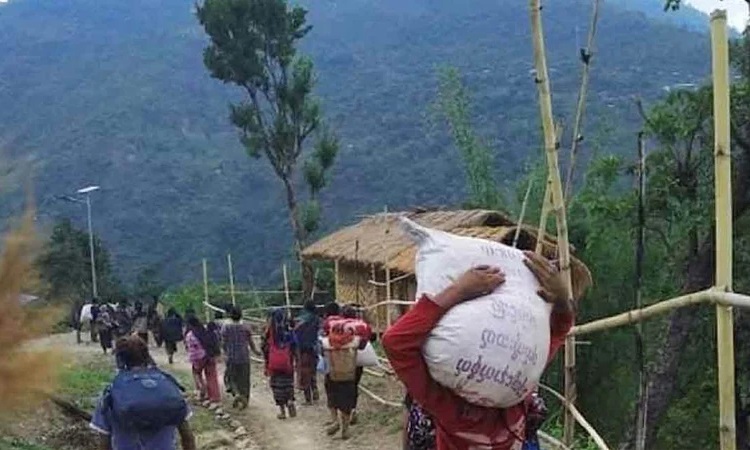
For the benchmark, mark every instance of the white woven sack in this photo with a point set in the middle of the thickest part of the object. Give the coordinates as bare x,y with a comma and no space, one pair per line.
492,350
367,357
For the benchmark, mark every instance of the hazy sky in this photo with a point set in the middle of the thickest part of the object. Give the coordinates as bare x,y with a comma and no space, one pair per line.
737,10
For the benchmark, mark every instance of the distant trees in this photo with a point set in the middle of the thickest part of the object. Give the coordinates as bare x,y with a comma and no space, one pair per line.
64,265
454,106
253,46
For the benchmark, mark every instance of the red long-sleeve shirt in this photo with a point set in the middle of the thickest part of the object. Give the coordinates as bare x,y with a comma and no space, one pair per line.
460,425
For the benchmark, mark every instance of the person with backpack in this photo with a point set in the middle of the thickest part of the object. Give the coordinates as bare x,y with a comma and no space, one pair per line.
306,331
237,340
345,336
171,331
203,349
278,351
143,408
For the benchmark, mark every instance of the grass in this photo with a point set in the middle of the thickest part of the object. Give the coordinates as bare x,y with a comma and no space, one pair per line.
85,381
17,444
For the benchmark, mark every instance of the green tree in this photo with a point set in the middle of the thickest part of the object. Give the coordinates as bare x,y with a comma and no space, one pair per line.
148,285
65,265
253,45
454,106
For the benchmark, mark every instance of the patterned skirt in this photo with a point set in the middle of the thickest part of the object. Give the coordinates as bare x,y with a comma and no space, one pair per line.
282,387
306,367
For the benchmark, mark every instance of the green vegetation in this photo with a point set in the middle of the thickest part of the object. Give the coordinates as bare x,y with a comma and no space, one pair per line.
17,444
85,381
131,107
148,122
65,265
453,104
254,46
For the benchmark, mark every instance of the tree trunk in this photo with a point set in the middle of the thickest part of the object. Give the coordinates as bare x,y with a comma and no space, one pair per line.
662,378
300,235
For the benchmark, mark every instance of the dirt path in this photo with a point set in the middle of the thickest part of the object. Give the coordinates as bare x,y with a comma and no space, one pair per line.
377,430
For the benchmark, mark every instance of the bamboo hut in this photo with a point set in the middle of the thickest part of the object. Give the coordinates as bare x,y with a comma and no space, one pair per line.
374,259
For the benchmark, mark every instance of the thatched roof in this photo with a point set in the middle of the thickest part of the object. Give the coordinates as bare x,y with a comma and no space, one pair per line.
378,240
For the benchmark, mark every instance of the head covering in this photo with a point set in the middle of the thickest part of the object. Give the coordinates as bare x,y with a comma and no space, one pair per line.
279,330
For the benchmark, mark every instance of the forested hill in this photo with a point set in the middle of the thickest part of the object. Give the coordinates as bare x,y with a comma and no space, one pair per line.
115,93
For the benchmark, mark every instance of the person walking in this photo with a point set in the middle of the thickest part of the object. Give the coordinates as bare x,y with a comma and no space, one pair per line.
278,351
308,351
75,318
105,325
237,340
171,331
94,312
154,323
419,429
143,407
123,320
461,425
140,322
203,350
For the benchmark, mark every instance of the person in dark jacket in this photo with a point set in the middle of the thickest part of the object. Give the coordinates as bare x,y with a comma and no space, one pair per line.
75,318
94,316
171,331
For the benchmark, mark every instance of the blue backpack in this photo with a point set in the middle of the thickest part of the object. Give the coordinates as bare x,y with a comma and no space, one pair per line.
146,400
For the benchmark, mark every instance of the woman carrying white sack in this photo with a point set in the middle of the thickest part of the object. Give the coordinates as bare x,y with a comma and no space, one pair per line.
462,425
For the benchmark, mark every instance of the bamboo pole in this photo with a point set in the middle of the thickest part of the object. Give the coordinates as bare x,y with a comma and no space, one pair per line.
544,217
205,290
231,279
286,292
551,441
558,201
586,55
579,418
723,193
638,315
387,296
379,399
521,215
640,417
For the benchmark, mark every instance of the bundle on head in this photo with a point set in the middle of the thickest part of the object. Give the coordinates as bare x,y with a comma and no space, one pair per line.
25,373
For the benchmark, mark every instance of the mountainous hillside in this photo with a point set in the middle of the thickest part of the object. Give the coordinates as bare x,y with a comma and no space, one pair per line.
114,93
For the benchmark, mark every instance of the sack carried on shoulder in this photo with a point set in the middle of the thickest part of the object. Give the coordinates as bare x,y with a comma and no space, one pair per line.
367,357
493,349
147,400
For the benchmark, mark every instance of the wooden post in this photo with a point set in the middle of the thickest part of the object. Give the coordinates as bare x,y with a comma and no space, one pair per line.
723,193
205,290
551,145
231,279
286,293
336,280
387,295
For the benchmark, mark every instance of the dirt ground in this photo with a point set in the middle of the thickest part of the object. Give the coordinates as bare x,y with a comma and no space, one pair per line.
379,427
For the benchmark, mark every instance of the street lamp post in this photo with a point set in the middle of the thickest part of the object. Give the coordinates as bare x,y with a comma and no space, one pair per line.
87,191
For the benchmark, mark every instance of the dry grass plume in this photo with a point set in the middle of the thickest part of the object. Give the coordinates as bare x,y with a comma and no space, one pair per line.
25,373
